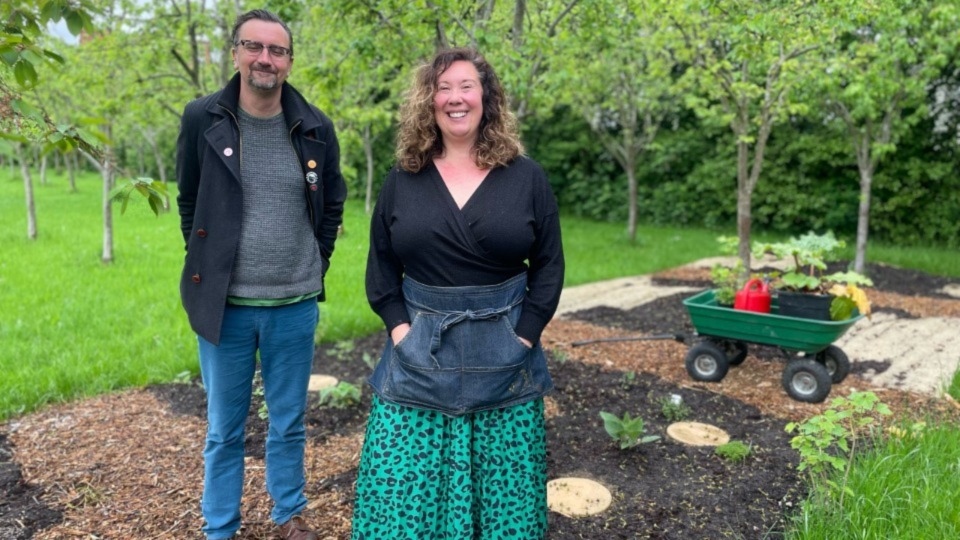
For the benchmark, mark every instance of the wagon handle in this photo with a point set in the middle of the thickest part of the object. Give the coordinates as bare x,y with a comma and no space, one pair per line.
676,337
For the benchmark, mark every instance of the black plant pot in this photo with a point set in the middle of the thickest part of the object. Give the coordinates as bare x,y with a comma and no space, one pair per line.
805,305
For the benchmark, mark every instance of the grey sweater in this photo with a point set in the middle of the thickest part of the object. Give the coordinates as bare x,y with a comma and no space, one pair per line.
278,256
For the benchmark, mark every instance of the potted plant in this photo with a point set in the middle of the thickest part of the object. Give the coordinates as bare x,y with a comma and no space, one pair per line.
725,283
805,290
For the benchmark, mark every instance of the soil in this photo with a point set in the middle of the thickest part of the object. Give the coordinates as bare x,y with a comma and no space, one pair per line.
129,465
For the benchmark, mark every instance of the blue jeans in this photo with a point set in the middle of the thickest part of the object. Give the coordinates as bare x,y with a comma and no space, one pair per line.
284,337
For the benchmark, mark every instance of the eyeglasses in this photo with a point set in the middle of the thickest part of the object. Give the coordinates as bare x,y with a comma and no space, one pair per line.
255,47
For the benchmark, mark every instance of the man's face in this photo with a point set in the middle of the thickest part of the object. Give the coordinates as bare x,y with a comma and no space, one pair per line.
264,71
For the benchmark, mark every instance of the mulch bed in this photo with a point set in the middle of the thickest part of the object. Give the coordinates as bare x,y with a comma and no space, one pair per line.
129,464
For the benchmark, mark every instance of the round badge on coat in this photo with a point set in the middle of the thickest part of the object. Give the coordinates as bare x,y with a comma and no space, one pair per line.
228,152
312,177
311,164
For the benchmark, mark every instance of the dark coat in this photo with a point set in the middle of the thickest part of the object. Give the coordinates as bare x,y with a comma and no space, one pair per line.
210,196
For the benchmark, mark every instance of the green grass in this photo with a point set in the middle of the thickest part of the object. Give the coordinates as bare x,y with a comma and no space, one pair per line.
904,488
953,389
71,326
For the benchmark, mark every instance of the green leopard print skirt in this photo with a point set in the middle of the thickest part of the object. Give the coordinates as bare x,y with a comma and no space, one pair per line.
427,476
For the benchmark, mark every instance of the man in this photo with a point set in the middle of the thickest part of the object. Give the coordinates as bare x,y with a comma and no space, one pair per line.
260,197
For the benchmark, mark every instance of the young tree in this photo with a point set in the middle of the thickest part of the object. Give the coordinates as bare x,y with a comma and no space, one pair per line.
744,58
876,82
21,28
626,86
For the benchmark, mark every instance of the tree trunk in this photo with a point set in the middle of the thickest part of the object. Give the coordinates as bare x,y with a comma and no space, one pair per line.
151,139
43,169
368,154
106,173
106,168
744,196
632,201
28,189
72,164
863,217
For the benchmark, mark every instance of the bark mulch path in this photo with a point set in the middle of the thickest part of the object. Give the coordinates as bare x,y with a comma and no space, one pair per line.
129,465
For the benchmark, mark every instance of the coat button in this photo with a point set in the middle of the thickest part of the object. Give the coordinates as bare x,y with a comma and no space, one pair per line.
202,233
196,278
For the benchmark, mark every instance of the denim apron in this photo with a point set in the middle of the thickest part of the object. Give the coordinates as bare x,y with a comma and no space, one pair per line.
461,354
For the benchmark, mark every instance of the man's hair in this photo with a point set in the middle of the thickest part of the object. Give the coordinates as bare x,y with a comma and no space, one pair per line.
260,15
419,139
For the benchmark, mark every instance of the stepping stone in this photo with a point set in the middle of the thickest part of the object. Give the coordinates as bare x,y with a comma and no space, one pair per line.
697,434
577,497
319,382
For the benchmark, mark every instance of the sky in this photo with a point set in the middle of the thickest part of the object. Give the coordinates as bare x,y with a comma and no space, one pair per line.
60,30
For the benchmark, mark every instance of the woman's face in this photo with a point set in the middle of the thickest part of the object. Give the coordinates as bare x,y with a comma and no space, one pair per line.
458,102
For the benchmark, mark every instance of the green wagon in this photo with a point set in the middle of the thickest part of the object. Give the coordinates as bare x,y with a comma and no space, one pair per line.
813,365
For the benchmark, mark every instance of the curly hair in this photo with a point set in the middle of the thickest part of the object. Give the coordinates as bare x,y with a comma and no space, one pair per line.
418,137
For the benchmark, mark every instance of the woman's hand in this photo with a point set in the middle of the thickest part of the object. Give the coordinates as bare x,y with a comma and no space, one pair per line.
399,332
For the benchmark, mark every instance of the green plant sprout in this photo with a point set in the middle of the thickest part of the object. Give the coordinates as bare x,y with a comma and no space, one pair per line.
342,349
626,431
829,440
341,396
735,451
674,410
258,393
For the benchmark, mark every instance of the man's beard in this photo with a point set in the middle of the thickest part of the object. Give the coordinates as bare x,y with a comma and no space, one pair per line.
263,83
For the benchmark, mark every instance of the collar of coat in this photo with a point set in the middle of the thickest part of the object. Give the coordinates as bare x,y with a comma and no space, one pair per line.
295,107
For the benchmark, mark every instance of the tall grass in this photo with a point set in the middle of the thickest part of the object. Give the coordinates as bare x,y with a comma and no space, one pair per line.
905,487
72,326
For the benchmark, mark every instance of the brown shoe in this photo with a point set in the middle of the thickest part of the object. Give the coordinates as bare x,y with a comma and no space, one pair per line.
296,529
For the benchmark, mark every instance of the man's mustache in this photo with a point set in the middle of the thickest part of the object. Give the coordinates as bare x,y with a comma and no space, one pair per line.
264,67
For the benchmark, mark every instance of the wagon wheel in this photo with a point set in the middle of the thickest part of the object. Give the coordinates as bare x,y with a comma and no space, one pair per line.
806,380
835,360
707,362
736,351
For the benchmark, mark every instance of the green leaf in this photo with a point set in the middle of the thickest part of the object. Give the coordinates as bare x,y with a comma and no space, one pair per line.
841,308
25,73
54,56
26,110
50,11
75,22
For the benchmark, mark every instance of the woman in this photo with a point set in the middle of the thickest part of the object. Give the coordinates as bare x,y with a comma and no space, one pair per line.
465,269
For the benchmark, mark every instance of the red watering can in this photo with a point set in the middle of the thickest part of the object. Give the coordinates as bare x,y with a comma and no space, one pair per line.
753,297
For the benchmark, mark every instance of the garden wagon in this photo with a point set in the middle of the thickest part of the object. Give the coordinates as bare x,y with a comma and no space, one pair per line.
723,334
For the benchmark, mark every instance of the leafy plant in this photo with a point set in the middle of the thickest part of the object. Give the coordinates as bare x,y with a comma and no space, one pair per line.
735,451
848,297
627,379
626,431
341,350
559,355
154,191
810,254
370,360
726,280
258,393
829,440
725,283
674,410
341,396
